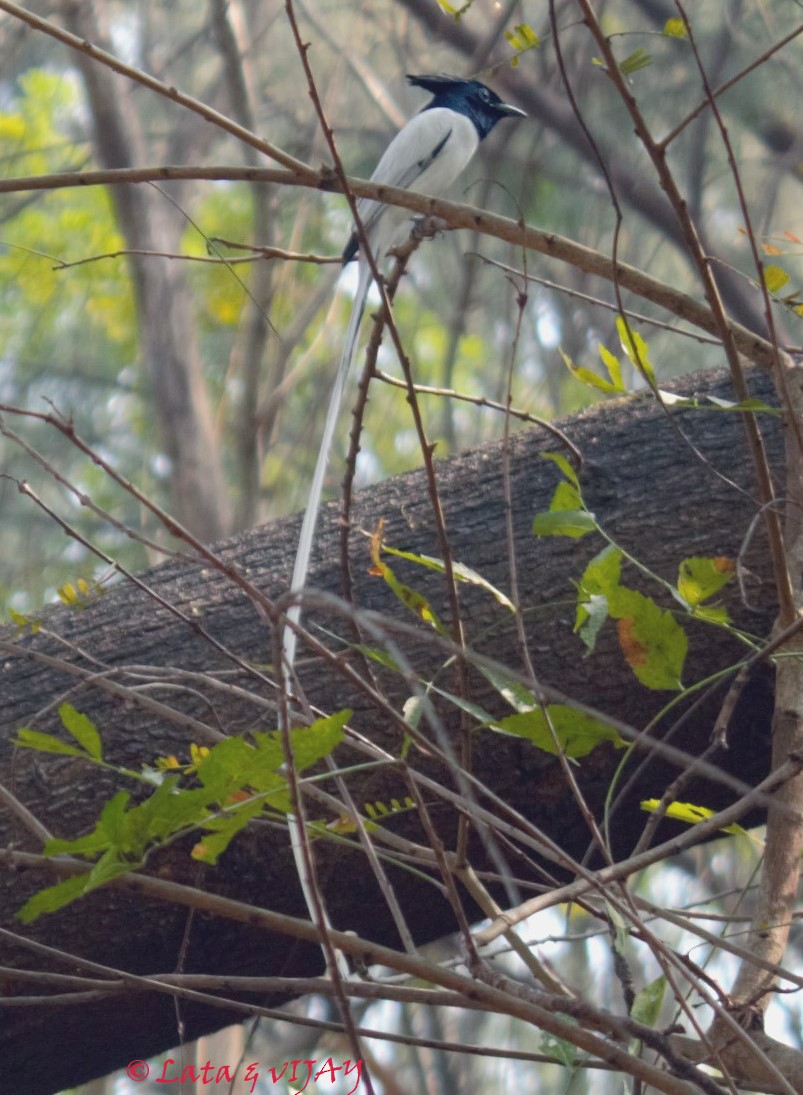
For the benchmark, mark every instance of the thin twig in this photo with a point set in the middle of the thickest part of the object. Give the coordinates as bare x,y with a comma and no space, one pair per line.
44,26
452,214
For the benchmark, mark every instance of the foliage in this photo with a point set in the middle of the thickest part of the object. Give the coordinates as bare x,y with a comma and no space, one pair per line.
227,786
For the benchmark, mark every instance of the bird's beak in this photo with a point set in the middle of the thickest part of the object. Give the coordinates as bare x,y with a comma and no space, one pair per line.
509,111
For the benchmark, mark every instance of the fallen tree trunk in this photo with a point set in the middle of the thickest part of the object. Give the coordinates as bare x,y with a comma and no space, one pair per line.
659,498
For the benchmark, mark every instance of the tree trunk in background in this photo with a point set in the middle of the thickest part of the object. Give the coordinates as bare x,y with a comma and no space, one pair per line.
645,486
168,340
247,356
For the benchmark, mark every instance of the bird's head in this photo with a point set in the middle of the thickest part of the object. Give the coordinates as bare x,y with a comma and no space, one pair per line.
469,97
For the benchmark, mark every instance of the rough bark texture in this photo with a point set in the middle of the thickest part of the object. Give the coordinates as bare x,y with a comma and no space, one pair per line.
647,488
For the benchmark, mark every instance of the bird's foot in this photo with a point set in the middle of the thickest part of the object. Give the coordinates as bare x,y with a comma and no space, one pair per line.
426,228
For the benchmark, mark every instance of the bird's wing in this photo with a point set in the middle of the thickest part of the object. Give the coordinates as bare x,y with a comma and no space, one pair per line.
427,154
415,148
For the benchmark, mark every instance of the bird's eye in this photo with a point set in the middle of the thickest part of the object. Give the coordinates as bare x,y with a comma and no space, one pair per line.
485,95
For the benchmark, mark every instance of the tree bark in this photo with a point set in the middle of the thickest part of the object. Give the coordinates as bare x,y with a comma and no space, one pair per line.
169,342
661,501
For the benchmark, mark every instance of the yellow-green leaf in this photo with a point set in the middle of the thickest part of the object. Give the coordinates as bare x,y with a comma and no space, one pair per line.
408,596
638,59
588,376
561,462
461,572
635,347
611,363
675,28
567,516
575,733
82,729
647,1004
46,743
690,813
652,641
573,523
599,579
775,278
701,577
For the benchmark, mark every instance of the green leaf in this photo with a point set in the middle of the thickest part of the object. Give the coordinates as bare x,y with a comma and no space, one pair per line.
636,348
637,60
755,405
223,829
564,1052
79,726
572,523
381,809
522,37
590,378
112,819
163,814
379,656
238,781
412,599
675,28
594,380
514,693
53,898
775,277
46,743
461,572
22,622
701,577
652,641
64,893
591,615
602,573
647,1004
611,363
312,743
233,766
576,733
716,614
600,578
82,729
621,932
560,461
479,714
567,515
90,845
714,403
408,596
690,813
109,866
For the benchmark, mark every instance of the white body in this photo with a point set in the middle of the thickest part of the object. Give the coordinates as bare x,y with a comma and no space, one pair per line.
426,155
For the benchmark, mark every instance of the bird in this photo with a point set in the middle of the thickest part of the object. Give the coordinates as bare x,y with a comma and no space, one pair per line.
426,155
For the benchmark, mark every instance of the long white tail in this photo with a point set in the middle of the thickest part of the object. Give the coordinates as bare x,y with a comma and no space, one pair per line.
304,549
